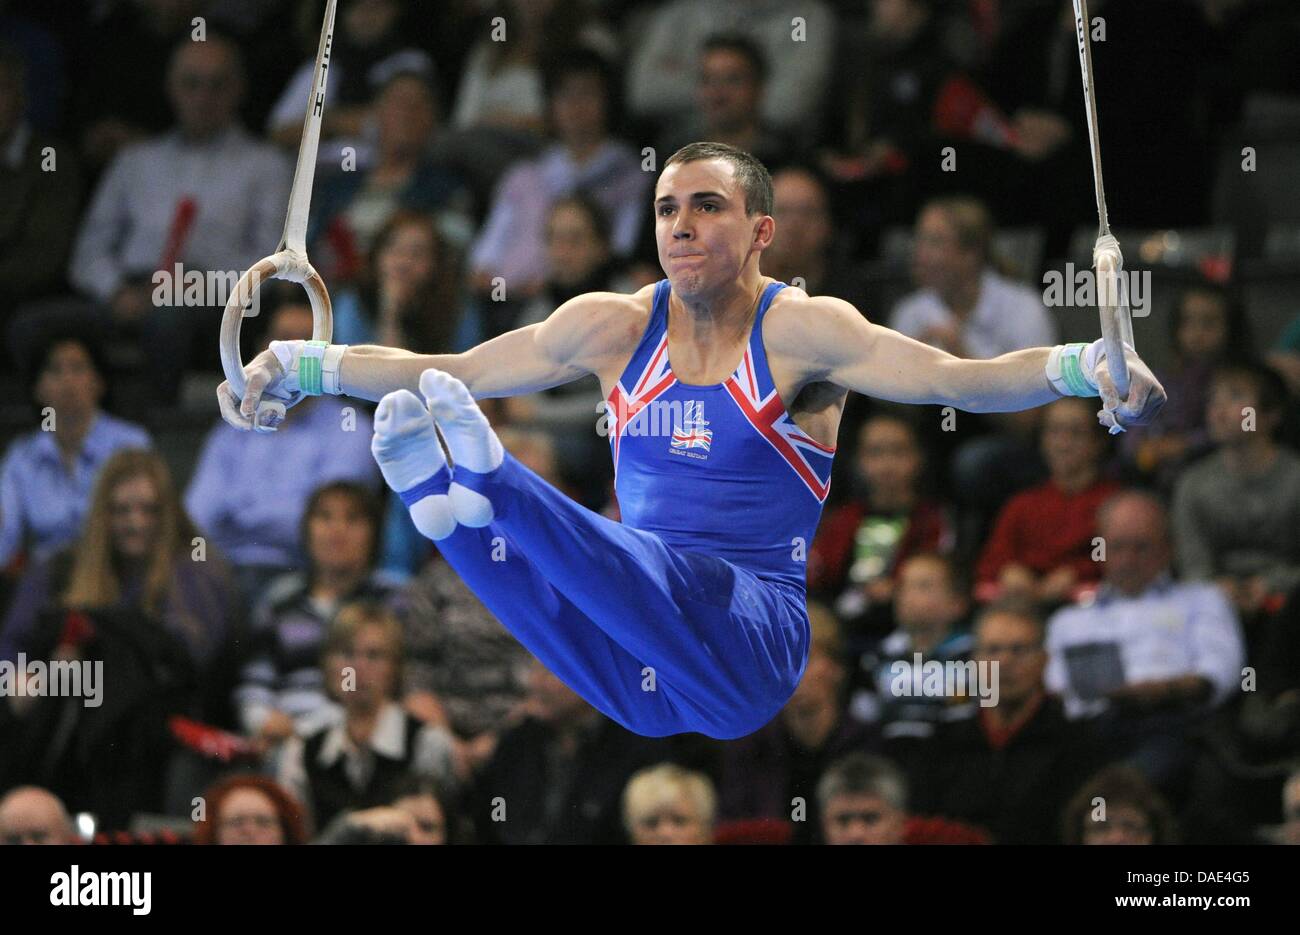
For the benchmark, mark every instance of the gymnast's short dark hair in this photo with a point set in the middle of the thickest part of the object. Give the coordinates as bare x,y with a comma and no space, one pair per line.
751,174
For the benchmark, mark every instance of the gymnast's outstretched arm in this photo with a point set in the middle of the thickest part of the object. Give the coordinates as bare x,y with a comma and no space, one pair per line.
827,339
588,334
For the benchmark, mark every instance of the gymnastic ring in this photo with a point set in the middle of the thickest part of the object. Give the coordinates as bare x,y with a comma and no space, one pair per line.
286,265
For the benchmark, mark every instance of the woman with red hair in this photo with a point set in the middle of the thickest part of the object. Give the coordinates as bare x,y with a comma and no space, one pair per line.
249,809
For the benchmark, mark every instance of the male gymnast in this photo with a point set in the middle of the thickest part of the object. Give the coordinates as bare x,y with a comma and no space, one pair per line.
690,615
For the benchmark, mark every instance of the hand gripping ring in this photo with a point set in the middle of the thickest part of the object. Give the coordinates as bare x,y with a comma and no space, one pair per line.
287,265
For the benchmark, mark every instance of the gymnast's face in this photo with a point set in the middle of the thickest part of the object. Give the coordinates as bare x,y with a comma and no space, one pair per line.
704,237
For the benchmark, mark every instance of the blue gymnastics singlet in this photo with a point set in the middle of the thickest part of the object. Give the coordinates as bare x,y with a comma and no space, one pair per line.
721,469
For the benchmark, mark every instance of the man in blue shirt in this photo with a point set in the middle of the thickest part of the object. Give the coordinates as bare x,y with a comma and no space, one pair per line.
249,489
47,476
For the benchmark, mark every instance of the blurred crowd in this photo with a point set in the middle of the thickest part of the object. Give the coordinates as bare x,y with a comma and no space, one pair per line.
285,659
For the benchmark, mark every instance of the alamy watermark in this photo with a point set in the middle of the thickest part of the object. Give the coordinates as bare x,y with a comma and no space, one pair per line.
1082,288
60,678
951,678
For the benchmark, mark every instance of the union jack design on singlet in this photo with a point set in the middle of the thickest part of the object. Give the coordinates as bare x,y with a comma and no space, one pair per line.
745,482
693,432
766,413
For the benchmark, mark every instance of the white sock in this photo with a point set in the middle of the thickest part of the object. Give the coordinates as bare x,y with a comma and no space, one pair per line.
470,507
472,442
406,448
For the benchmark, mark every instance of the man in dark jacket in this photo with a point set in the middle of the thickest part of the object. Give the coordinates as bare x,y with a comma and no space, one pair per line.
1010,767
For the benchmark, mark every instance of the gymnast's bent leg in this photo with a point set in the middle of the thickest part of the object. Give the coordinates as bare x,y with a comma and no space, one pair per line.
726,649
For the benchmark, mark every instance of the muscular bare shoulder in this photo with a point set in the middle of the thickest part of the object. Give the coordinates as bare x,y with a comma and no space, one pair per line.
597,330
809,334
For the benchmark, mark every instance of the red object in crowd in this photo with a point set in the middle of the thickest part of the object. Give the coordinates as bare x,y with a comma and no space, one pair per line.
1045,528
962,110
1216,267
187,209
210,742
928,530
942,831
343,244
754,831
78,629
139,837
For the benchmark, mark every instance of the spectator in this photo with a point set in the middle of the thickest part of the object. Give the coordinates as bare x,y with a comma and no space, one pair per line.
808,253
360,760
282,687
245,809
1285,356
863,543
1040,172
666,804
462,666
1291,809
503,86
731,82
29,815
1034,76
1270,716
1007,767
863,800
773,772
1208,327
38,207
112,115
160,204
409,296
660,76
1237,512
1148,655
433,821
353,208
561,771
888,78
584,158
144,597
1043,545
964,306
930,604
370,47
137,550
248,488
47,476
967,308
579,260
44,65
382,824
1118,806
